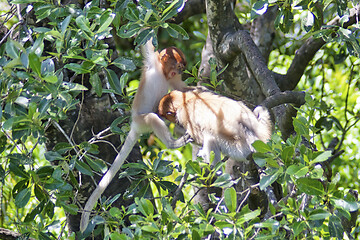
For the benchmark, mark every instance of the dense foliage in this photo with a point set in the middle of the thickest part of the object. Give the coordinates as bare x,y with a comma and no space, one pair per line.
60,52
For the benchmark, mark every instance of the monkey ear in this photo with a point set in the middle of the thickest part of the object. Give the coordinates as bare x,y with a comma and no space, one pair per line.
164,57
172,73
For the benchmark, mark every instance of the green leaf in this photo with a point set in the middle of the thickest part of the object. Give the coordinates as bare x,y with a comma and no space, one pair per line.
125,64
105,20
300,126
11,50
115,212
297,171
83,168
25,1
287,154
150,228
22,198
97,165
335,227
77,68
64,24
321,158
192,167
73,86
70,208
129,30
171,10
310,186
52,156
298,227
114,125
123,80
34,62
267,180
144,36
318,214
39,193
145,206
230,199
38,209
224,181
50,79
350,206
139,165
250,215
261,147
132,13
47,66
307,20
260,159
18,170
118,236
178,29
96,84
114,81
83,24
259,8
49,209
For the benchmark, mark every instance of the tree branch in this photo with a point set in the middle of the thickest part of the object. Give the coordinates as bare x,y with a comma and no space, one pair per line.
7,234
241,42
306,53
296,98
192,7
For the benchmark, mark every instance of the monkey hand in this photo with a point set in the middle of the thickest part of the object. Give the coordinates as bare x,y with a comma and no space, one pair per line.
181,141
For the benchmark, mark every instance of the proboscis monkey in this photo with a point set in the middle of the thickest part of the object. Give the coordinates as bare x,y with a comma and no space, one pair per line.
217,123
162,71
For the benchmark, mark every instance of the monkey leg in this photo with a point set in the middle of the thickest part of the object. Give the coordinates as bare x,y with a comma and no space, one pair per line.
210,144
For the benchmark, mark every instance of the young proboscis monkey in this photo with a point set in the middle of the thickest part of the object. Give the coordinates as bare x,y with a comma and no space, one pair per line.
217,123
162,71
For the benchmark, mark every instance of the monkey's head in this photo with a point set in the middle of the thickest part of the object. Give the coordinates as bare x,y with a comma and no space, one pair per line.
173,62
169,105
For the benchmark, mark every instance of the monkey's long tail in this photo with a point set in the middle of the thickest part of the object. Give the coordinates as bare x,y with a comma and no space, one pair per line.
106,179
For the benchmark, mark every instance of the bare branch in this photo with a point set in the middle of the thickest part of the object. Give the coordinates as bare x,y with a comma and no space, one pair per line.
296,98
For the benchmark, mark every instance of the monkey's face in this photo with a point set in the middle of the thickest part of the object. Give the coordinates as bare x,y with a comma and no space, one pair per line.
173,61
167,108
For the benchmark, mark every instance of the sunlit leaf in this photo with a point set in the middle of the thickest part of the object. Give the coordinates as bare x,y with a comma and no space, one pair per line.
230,199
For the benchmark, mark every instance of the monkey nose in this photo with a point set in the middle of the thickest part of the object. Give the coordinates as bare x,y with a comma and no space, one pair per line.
181,69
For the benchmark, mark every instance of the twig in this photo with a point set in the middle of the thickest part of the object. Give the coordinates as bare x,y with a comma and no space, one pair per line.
80,108
10,31
178,190
60,129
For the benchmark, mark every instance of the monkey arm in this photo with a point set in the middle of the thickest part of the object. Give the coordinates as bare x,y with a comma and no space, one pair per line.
162,132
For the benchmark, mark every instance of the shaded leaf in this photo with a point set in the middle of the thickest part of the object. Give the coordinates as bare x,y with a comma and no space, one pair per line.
310,186
23,197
